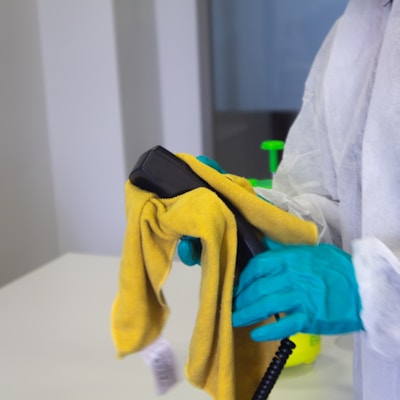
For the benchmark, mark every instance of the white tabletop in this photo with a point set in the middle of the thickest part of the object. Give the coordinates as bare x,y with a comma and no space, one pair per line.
55,340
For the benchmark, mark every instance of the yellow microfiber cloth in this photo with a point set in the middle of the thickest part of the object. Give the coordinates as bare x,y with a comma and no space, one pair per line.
222,360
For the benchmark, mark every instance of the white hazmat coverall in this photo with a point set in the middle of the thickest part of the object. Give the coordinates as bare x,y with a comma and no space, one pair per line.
341,168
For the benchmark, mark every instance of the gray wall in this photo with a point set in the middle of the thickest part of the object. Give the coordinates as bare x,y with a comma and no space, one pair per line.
28,235
85,87
139,80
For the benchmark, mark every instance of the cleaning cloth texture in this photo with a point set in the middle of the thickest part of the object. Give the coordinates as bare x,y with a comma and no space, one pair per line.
222,360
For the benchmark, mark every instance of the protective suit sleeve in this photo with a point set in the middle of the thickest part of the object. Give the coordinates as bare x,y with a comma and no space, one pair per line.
322,211
378,275
305,183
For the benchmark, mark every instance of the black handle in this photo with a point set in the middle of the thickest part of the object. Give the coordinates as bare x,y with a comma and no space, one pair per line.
161,172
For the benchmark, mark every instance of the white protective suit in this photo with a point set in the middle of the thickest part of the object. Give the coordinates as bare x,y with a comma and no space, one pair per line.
341,168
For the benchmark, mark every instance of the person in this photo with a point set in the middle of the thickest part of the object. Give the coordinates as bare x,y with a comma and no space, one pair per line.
340,169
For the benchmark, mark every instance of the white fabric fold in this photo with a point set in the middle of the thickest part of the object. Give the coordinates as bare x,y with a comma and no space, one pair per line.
378,276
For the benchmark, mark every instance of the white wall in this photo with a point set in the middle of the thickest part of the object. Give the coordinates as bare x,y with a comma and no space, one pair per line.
85,132
159,75
85,88
179,68
27,212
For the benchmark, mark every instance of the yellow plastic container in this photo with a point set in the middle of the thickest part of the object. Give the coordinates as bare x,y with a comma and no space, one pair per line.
307,346
307,349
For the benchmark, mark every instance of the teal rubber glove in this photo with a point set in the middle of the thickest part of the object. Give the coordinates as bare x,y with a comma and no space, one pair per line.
314,286
189,248
211,163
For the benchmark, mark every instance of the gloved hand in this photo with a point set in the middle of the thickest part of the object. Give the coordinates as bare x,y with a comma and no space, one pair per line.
189,248
314,286
211,163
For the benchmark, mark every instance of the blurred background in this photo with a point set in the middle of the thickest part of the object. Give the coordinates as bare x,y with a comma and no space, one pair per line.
86,86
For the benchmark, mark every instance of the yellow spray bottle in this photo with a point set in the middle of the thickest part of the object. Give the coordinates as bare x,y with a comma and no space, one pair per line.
308,346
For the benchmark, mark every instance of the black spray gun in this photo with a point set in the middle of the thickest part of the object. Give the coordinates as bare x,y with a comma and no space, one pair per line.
161,172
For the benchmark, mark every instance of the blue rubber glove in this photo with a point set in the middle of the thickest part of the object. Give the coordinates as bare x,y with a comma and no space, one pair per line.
211,163
314,286
189,248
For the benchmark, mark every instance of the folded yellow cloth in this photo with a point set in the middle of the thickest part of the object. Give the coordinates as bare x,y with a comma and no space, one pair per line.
222,360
